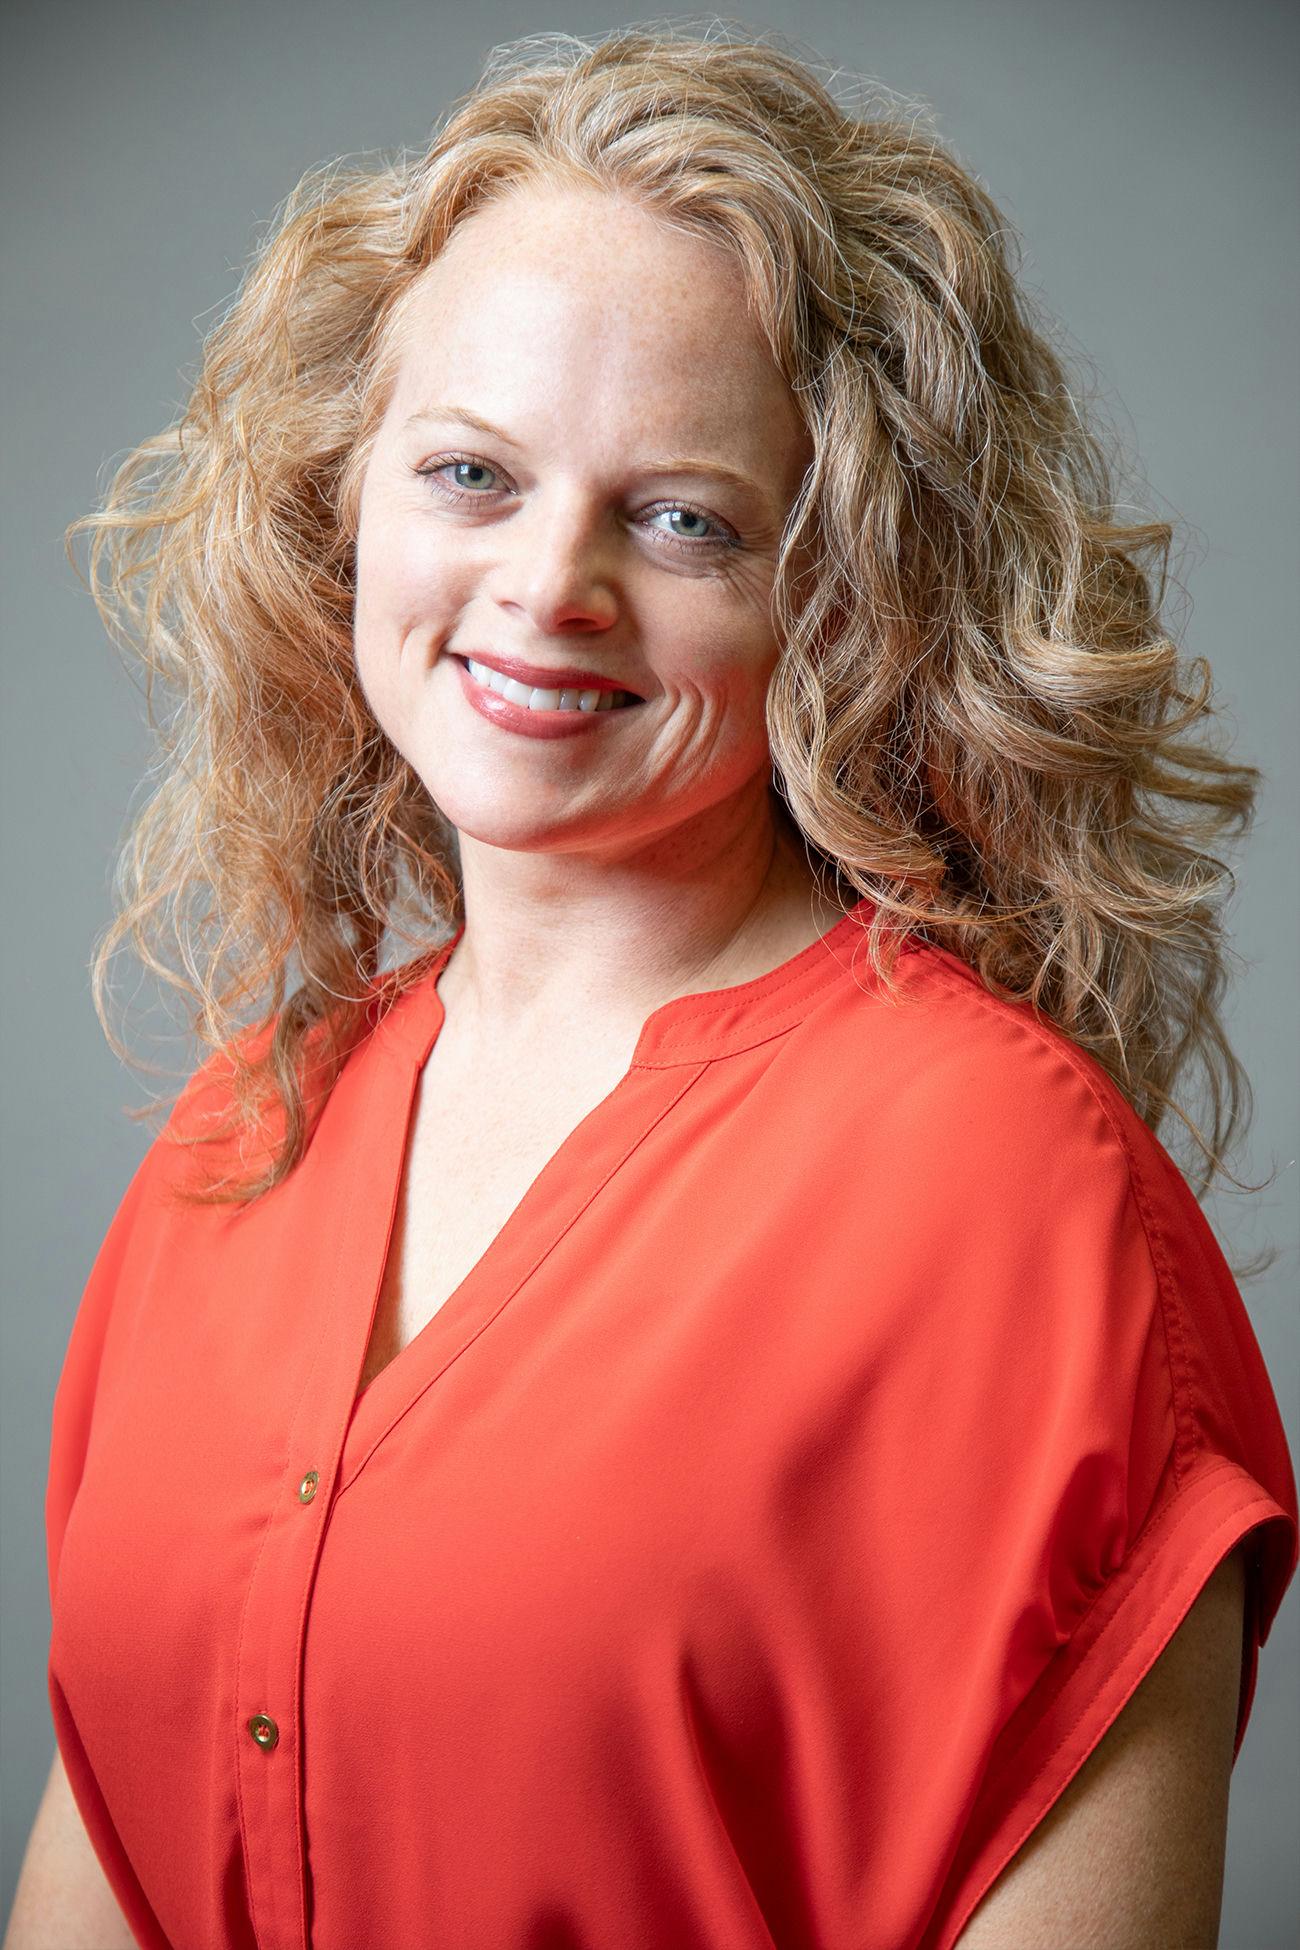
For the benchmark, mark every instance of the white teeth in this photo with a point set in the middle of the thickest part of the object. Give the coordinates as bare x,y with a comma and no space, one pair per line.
538,700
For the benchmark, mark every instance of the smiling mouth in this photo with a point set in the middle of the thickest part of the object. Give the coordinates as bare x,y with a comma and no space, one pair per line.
534,698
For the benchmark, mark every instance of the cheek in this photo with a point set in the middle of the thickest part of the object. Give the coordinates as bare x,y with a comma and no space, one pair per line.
715,631
715,712
407,593
391,570
714,663
722,664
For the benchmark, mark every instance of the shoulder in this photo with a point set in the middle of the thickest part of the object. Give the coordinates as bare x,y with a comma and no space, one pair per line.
969,1084
209,1097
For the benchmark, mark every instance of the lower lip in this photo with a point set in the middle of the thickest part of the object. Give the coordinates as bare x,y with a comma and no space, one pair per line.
501,711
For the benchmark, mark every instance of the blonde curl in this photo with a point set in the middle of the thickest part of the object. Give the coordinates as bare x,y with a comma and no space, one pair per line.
978,717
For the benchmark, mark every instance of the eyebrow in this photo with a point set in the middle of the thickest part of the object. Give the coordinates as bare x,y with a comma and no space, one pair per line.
714,470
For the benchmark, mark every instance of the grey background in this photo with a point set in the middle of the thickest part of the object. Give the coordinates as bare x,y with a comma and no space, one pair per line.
1146,155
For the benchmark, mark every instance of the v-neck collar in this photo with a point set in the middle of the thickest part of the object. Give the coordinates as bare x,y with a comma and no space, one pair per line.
677,1044
690,1028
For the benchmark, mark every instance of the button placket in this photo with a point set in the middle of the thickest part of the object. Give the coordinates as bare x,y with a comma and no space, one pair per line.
334,1263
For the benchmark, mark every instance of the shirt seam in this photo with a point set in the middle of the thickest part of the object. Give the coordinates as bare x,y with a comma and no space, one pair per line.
543,1254
818,978
1177,1363
250,1878
1192,1496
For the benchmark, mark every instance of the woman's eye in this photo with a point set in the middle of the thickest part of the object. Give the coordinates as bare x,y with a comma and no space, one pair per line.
690,525
466,475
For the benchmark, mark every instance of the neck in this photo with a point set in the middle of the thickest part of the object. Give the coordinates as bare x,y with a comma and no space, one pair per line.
551,940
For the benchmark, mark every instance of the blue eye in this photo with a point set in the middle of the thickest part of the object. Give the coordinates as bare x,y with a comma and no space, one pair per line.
692,537
462,469
466,482
465,477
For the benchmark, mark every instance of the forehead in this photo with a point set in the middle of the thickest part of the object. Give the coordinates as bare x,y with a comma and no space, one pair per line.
584,241
554,293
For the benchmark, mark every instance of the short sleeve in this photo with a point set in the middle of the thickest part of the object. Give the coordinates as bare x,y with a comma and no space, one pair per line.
200,1110
1136,1443
86,1394
113,1278
77,1388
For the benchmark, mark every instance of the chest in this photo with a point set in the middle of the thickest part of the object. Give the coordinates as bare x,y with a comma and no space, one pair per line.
477,1142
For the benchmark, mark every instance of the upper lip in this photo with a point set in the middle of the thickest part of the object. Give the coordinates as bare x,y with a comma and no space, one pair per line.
557,677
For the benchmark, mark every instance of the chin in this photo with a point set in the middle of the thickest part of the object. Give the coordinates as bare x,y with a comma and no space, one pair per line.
515,823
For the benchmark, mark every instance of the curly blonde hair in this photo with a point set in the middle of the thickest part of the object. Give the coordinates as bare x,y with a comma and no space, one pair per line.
978,718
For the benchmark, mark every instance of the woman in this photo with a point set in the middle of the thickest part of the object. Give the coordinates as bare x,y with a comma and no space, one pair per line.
697,1411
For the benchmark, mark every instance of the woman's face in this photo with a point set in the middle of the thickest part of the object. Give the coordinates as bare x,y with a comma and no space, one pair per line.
581,479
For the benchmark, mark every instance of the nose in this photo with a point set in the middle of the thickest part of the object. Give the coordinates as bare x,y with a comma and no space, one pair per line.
555,570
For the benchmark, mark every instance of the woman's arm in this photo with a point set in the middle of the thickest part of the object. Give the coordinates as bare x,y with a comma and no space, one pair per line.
63,1900
1131,1855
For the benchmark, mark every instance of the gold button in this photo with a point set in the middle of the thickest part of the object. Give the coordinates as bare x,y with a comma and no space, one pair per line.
307,1487
264,1731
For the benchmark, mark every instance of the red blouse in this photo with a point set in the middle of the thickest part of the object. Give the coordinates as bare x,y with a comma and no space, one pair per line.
747,1554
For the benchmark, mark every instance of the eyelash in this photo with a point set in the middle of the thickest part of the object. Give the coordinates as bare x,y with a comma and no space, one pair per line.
687,544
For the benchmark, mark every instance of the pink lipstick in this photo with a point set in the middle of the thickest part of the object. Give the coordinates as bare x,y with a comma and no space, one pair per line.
539,701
